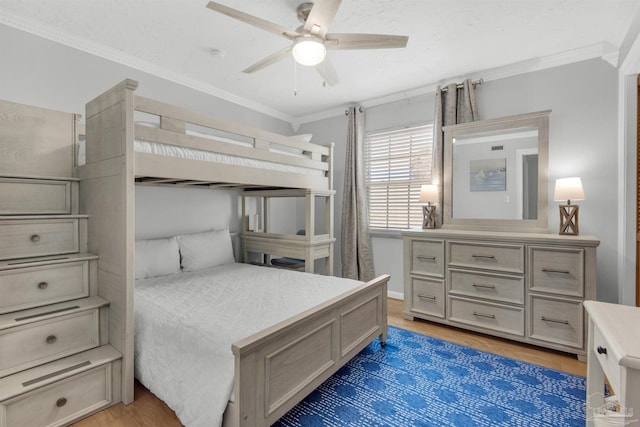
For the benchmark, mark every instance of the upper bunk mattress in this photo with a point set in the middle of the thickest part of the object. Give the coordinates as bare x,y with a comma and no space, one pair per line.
142,146
185,325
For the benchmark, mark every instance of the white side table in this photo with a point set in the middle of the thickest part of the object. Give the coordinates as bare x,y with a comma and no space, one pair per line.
613,351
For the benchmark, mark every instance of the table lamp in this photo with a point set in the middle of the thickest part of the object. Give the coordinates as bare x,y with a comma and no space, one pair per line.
568,189
429,196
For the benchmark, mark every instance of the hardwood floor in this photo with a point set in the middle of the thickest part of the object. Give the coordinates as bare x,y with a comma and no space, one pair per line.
149,411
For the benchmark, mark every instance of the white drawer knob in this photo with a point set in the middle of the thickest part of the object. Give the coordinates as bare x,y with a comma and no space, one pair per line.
35,238
43,285
51,339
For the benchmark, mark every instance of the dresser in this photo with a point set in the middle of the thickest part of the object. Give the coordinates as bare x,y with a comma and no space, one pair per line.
527,287
56,364
613,353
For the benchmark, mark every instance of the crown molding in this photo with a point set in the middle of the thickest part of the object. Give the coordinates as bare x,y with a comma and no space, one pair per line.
54,34
606,51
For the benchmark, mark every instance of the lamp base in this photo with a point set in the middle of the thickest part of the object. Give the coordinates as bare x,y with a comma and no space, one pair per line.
569,220
429,214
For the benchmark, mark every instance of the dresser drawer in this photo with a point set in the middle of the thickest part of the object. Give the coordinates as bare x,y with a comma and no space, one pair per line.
487,256
558,321
61,402
503,288
34,196
557,270
35,286
30,238
428,297
427,257
487,315
39,342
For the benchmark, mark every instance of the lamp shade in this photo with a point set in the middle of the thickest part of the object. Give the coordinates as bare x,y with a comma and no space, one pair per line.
308,50
568,189
428,193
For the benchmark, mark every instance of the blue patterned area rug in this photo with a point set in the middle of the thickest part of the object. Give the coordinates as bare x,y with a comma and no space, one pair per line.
418,380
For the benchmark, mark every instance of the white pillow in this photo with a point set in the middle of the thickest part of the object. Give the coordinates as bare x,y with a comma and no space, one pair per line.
285,149
206,249
303,137
157,257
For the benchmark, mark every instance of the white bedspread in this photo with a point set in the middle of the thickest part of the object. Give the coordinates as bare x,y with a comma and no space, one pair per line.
185,324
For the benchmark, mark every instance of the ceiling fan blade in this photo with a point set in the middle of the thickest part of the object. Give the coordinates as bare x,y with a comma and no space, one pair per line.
253,20
328,72
321,15
269,60
343,41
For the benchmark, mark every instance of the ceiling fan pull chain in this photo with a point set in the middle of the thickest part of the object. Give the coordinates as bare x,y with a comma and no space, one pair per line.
295,78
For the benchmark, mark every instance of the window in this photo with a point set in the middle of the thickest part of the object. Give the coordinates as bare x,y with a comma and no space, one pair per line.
398,162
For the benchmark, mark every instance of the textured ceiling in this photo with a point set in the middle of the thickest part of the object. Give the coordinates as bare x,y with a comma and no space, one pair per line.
447,40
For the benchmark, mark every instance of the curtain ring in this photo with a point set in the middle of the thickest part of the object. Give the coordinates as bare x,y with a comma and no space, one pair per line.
346,112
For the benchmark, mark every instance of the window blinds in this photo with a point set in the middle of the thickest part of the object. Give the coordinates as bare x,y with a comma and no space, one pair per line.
398,162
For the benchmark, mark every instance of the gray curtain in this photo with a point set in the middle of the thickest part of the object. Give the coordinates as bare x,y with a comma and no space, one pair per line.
453,105
357,258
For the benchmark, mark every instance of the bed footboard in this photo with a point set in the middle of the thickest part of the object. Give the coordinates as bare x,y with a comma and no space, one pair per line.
280,366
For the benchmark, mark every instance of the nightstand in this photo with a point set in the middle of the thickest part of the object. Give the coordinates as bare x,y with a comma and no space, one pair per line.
613,351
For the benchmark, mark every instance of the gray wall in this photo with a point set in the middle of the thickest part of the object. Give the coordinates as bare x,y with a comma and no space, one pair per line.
582,142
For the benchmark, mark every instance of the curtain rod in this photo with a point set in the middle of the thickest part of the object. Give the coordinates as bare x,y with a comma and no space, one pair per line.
460,85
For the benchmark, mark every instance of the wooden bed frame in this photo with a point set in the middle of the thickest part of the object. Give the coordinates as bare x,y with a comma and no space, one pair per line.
275,368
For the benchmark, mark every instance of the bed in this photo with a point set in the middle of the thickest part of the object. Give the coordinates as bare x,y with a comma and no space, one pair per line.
272,368
182,316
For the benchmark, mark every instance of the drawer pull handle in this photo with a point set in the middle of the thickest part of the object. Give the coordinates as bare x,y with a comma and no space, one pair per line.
61,402
546,319
426,258
483,256
488,316
51,339
601,350
553,270
35,238
483,286
43,285
431,297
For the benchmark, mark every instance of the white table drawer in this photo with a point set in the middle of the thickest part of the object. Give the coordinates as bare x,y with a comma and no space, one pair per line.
35,286
487,315
557,270
558,321
486,256
39,342
606,358
503,288
31,238
61,402
34,196
428,257
428,297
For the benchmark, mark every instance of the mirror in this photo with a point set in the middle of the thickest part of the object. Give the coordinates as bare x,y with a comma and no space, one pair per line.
495,174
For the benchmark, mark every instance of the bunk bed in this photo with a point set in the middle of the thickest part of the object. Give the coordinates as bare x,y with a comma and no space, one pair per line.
256,160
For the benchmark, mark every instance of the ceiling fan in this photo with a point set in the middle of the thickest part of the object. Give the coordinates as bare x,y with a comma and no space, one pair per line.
312,40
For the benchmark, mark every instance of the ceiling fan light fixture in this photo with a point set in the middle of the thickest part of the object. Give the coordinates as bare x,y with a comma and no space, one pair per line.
309,50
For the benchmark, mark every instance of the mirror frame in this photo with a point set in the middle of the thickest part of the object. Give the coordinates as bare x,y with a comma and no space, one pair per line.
539,120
